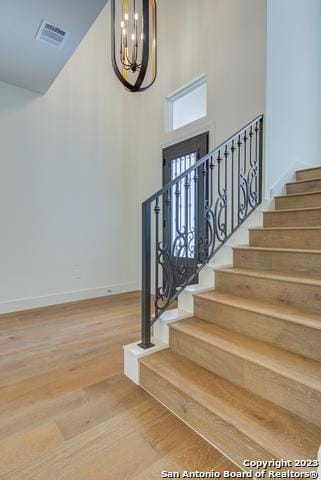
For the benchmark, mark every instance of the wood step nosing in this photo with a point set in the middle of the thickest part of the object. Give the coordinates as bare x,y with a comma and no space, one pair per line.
302,194
198,432
286,372
313,324
284,229
276,250
292,210
222,415
310,169
191,392
299,182
268,275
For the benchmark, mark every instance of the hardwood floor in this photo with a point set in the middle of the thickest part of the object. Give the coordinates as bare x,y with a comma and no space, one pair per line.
66,410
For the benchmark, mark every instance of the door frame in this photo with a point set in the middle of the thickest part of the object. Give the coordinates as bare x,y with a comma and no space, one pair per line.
198,144
183,148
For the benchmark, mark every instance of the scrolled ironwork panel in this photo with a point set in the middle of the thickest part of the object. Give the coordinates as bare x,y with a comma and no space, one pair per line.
203,206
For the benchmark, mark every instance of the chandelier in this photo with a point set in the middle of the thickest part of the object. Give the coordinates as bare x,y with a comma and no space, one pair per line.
134,42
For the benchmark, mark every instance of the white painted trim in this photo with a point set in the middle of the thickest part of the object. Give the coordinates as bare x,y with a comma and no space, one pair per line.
187,88
133,353
289,175
65,297
189,131
177,95
161,327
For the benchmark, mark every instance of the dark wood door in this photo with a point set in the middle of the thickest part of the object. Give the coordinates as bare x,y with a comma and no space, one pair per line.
185,209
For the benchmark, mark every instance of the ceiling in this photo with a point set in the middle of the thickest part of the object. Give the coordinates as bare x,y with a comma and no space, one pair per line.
32,64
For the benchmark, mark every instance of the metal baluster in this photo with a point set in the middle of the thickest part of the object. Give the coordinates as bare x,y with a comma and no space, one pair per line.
186,186
167,217
157,212
211,208
232,184
168,223
246,183
226,155
204,212
256,161
221,197
251,196
261,161
196,194
251,137
245,138
219,161
211,182
189,227
177,207
239,144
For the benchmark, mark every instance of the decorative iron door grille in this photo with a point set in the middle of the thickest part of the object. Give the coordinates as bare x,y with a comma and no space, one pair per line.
181,216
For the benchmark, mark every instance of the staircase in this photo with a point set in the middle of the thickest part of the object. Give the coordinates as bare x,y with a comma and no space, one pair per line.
245,371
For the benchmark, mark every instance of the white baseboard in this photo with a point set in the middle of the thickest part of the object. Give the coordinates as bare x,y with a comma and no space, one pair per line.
65,297
288,176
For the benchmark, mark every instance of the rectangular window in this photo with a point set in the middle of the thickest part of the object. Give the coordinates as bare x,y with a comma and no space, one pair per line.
187,104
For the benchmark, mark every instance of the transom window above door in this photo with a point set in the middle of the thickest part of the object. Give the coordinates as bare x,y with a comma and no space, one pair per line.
187,104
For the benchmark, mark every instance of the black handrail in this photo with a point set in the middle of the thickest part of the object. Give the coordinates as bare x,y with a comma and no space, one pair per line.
194,216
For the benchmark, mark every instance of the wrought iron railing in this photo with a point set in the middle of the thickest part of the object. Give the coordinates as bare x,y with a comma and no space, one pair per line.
192,217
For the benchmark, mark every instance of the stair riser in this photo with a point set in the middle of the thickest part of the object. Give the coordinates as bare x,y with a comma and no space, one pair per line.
295,397
305,262
302,239
309,218
281,333
214,429
310,186
297,295
298,201
308,174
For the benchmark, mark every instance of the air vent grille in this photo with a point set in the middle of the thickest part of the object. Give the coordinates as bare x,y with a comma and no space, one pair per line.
52,34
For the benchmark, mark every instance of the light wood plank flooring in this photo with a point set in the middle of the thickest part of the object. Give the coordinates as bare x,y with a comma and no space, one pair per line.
66,410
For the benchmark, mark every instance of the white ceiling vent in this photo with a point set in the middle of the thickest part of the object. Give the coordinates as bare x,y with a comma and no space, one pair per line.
52,34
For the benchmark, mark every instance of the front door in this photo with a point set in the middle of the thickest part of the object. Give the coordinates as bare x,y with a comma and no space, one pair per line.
180,229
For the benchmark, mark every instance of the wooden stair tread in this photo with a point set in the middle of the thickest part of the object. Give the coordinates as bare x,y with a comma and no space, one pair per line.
281,433
299,194
309,169
275,249
293,277
290,210
305,181
285,228
284,312
291,365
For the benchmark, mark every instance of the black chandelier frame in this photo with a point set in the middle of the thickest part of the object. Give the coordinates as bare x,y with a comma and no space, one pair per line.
138,85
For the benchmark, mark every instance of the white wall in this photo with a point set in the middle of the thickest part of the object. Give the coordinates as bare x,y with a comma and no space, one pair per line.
63,199
225,39
293,86
77,163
